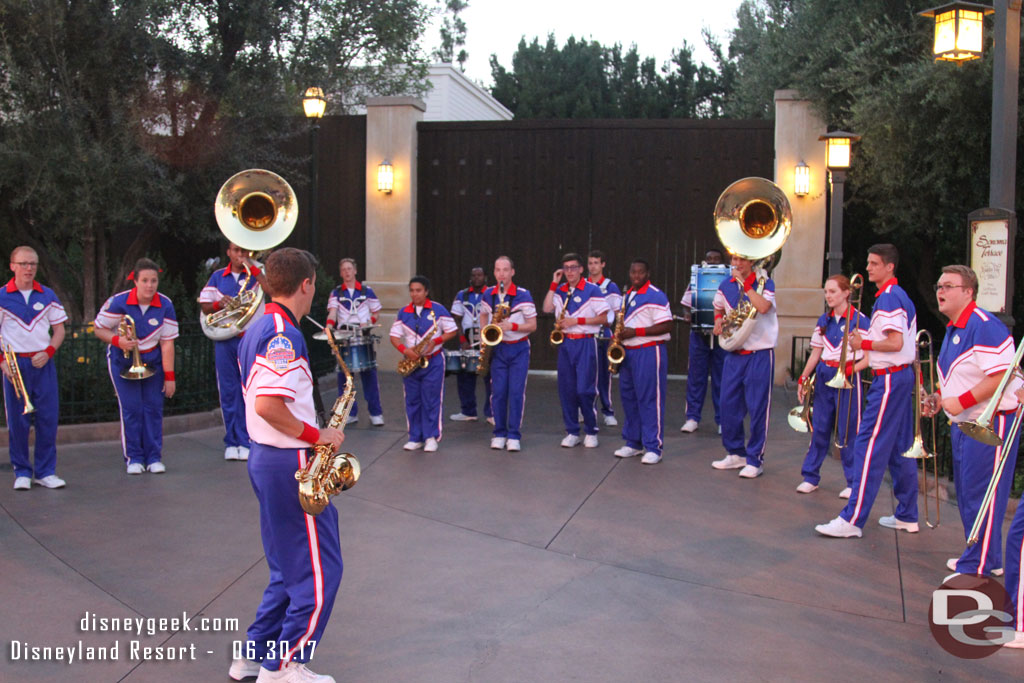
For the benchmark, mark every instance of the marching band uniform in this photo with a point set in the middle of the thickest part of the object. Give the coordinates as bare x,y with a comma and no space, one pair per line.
643,375
1014,561
703,352
977,345
424,388
25,324
141,402
510,362
466,306
613,295
303,551
834,405
229,382
358,307
747,378
577,355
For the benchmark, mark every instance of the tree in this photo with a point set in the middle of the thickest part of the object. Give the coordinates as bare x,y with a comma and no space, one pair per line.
453,35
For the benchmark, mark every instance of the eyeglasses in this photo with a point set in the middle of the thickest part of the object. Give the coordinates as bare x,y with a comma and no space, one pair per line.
27,264
572,267
946,287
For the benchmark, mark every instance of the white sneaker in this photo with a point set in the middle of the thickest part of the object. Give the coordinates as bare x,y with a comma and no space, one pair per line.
377,420
751,472
839,528
156,467
806,487
610,421
430,446
1018,641
651,458
627,452
462,417
490,421
590,441
231,453
292,673
730,462
570,441
719,430
951,566
891,522
244,668
351,419
22,483
413,445
50,481
498,443
845,493
135,468
513,445
689,427
243,452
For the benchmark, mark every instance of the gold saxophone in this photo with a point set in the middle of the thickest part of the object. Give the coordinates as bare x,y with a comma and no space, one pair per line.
616,353
327,473
557,336
406,366
491,335
20,391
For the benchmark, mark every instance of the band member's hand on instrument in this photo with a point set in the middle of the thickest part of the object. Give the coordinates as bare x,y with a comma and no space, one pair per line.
800,393
5,370
930,405
719,323
856,340
331,437
687,316
169,387
464,343
1020,395
411,354
627,333
127,344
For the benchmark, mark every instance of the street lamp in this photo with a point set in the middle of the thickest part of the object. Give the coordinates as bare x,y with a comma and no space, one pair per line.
313,103
958,30
837,160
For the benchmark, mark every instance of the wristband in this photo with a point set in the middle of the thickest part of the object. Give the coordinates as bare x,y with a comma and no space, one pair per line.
800,382
401,348
329,323
116,341
640,331
462,338
581,321
50,351
967,399
254,271
168,375
438,341
748,284
514,327
216,305
554,286
310,434
718,316
866,345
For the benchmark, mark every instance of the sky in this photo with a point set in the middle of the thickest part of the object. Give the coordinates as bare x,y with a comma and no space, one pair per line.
656,26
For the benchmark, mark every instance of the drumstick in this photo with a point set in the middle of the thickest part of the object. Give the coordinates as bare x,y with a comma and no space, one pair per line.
315,323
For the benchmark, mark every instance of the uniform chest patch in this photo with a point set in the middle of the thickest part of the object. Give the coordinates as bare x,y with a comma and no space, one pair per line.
577,299
153,322
37,306
632,303
956,339
280,351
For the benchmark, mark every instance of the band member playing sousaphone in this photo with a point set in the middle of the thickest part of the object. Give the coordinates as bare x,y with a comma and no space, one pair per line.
467,307
221,293
835,409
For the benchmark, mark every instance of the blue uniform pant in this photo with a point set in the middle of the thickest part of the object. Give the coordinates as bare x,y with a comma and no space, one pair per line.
643,384
509,366
702,358
304,557
41,385
974,463
832,406
371,391
229,385
577,383
466,383
424,395
1014,560
886,431
604,378
141,402
747,389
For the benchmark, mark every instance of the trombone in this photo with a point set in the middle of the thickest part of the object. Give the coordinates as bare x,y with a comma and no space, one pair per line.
919,450
839,381
20,390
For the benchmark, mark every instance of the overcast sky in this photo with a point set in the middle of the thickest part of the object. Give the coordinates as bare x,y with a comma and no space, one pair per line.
656,26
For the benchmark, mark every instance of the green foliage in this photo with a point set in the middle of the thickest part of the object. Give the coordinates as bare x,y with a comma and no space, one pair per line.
453,34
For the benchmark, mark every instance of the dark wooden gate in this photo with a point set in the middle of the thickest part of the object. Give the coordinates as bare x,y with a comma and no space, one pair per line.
535,189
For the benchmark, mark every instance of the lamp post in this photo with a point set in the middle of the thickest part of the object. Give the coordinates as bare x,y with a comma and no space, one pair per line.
992,230
314,104
837,160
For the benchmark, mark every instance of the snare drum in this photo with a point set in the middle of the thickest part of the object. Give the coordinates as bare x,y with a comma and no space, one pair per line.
704,282
457,362
359,353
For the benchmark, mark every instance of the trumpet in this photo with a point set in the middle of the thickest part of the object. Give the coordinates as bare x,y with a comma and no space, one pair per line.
800,417
919,450
127,330
20,390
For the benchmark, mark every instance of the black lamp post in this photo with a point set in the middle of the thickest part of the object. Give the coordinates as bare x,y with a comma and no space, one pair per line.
837,160
314,105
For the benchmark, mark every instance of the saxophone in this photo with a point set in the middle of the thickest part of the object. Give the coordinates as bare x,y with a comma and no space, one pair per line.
491,335
327,473
557,336
616,353
405,366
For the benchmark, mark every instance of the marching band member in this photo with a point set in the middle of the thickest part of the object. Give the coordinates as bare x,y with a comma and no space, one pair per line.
303,551
886,429
466,306
579,310
424,388
747,374
354,304
704,356
1014,560
613,295
643,375
221,288
833,405
976,352
141,401
510,360
28,311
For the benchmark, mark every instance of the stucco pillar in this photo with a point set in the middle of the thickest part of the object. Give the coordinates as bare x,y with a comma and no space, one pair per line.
391,218
799,275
